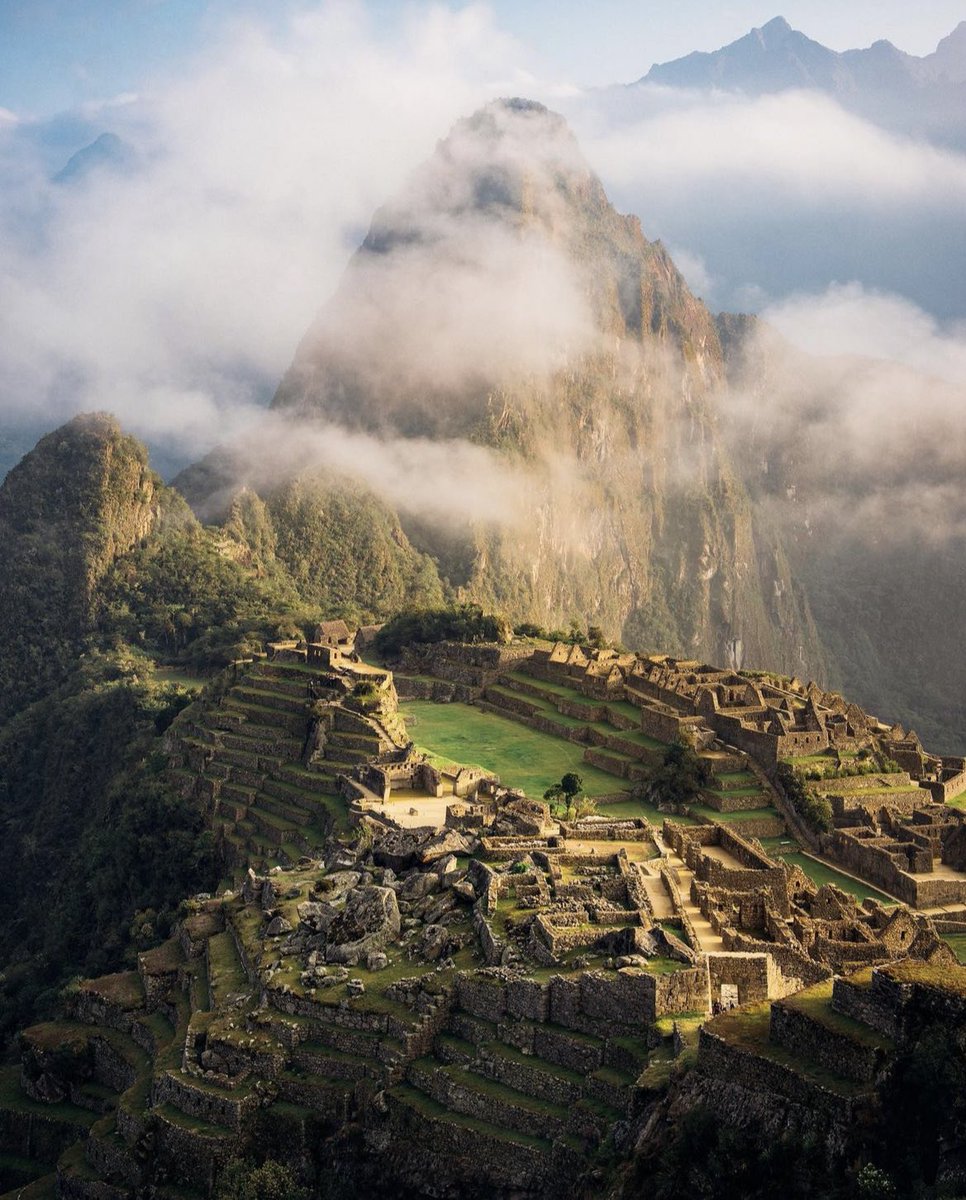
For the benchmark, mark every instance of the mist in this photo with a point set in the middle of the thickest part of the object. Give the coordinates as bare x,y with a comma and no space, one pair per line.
771,195
847,413
175,293
173,285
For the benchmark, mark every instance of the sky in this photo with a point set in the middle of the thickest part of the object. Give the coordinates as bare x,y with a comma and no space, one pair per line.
56,54
173,283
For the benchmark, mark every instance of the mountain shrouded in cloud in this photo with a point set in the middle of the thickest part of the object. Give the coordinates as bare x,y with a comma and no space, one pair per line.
501,310
880,81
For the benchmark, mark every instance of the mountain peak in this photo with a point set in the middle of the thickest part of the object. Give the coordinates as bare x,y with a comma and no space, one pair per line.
501,259
776,26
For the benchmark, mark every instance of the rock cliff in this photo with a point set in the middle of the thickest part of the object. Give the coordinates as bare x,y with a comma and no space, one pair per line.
502,300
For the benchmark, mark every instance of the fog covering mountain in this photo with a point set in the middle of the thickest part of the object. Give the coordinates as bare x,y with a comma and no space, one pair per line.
924,96
860,464
500,305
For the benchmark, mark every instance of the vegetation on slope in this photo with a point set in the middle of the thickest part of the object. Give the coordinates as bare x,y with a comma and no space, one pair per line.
97,850
465,623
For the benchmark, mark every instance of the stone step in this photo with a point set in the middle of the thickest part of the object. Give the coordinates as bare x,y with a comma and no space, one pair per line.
282,808
263,747
271,701
298,794
274,829
345,755
110,1156
450,1049
280,685
294,724
363,1043
314,1058
554,1044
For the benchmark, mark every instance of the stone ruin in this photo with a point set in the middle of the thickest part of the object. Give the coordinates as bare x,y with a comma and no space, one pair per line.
489,1000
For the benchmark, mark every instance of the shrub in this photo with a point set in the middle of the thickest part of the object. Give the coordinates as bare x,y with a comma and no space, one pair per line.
465,623
815,810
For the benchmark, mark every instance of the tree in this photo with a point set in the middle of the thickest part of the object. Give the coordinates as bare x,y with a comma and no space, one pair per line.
571,784
566,794
271,1181
682,775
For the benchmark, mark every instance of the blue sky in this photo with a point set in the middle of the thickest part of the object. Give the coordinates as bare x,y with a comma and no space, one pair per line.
55,54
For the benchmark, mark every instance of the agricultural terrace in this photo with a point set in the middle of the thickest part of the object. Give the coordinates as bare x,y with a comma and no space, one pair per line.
522,757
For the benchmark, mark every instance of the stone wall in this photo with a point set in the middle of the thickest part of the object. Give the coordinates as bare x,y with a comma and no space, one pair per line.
744,1068
819,1045
754,974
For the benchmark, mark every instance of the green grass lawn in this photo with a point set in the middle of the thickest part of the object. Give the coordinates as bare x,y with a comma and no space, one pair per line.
178,675
522,757
958,802
958,943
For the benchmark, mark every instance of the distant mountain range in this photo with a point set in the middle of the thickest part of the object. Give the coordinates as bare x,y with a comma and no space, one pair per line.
917,95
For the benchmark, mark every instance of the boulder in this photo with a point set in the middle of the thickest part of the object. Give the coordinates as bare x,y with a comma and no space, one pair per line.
337,883
397,849
464,890
448,870
277,926
417,886
435,942
376,960
317,915
448,841
370,921
444,904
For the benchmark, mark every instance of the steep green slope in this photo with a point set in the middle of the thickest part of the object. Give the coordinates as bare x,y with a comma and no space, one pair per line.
96,849
105,574
83,497
332,542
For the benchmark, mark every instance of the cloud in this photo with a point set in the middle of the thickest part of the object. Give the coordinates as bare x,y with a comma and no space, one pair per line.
782,193
800,145
449,482
175,294
848,415
848,319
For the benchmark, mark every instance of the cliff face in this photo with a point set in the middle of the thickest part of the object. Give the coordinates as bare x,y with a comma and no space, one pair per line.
81,499
502,300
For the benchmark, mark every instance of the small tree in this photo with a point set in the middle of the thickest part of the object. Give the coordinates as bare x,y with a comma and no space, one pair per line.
566,794
571,784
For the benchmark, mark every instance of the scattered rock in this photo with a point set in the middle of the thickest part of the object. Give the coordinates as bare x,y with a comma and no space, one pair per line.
445,904
435,942
369,922
317,915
